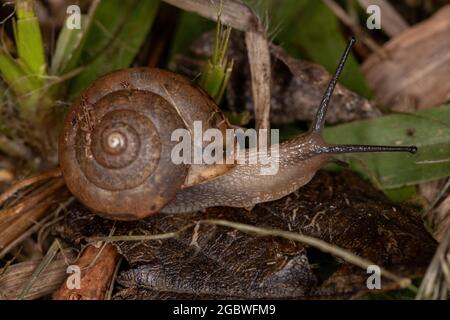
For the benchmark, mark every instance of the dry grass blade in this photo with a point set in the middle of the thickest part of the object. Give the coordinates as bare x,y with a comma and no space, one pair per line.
437,198
16,228
27,182
28,203
162,236
51,253
416,75
23,236
259,60
32,210
38,227
109,293
232,13
436,282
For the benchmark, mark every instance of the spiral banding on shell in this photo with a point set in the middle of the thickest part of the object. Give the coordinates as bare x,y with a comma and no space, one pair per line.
116,144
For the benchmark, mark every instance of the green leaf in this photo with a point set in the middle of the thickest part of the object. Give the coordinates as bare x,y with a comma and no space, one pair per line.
118,30
24,85
429,130
66,53
26,75
28,38
14,75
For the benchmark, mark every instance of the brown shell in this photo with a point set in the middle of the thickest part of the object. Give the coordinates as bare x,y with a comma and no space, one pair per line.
134,176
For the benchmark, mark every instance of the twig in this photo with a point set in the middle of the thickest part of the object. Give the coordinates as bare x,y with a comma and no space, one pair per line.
160,236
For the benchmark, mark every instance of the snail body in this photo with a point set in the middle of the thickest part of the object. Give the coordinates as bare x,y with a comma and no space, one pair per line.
244,186
115,149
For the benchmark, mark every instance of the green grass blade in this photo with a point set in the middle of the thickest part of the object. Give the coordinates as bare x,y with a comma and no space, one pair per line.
217,71
118,30
29,39
66,48
13,73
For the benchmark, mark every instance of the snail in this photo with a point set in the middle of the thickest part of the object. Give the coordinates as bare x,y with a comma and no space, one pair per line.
115,149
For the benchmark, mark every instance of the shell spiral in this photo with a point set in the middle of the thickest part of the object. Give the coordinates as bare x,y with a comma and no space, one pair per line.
116,143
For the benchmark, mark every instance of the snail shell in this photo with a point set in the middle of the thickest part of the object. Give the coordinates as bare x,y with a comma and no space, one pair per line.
116,144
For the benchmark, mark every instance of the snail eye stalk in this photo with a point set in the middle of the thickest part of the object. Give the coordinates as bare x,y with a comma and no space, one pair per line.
319,119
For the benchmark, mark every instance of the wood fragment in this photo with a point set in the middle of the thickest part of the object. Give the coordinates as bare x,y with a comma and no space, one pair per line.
98,266
15,277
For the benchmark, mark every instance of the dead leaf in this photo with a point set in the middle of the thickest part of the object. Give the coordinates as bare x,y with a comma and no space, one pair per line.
207,261
416,74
